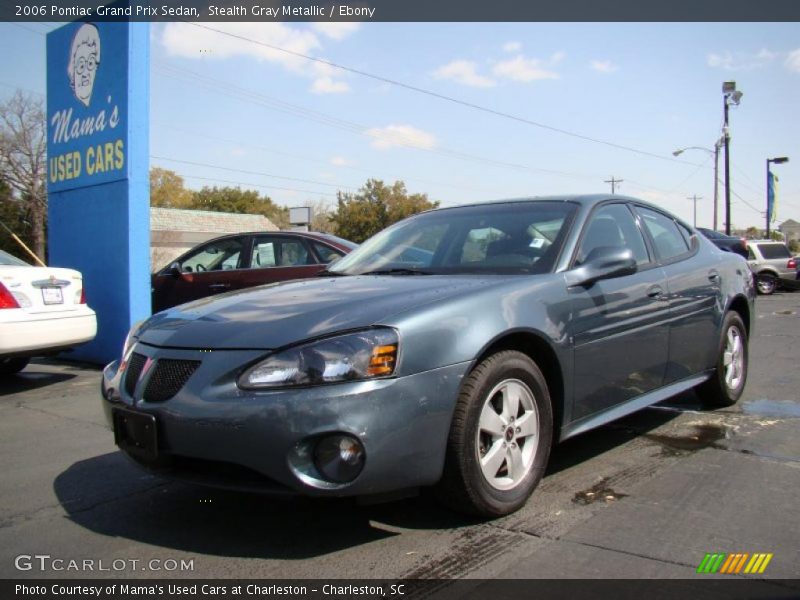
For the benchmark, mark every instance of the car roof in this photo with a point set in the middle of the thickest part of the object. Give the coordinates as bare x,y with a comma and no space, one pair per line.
582,199
314,235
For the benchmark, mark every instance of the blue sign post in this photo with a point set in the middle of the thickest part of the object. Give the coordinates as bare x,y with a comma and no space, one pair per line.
97,176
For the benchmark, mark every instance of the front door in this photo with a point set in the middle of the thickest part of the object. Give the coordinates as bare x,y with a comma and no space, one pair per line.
619,326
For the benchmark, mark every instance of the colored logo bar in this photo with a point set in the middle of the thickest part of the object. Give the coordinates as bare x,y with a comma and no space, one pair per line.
735,563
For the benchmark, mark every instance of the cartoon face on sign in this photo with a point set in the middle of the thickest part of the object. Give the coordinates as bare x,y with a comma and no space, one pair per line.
84,59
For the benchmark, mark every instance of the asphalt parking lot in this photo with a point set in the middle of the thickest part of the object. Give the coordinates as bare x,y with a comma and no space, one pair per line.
646,497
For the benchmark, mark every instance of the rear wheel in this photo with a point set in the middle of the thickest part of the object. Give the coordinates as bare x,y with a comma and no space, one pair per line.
499,439
9,366
766,283
727,383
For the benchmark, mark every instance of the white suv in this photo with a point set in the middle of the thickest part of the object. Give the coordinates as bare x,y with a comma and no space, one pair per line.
772,264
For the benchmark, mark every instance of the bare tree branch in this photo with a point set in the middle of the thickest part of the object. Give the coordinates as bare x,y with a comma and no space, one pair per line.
23,145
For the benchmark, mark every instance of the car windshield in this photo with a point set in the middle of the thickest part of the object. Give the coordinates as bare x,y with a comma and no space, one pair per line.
7,259
510,237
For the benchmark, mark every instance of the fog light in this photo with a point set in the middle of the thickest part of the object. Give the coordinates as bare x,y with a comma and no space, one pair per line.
339,458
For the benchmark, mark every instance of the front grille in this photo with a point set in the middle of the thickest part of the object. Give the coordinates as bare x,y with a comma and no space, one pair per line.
135,365
168,378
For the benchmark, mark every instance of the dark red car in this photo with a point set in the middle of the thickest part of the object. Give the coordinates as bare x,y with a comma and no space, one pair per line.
244,260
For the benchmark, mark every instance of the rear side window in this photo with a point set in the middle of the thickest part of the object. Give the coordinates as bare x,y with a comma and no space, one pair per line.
769,251
666,236
326,253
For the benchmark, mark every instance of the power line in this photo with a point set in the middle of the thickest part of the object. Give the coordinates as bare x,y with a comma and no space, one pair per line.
319,160
210,166
29,29
226,88
447,98
258,185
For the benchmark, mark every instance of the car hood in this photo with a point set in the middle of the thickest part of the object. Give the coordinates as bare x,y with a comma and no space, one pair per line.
280,314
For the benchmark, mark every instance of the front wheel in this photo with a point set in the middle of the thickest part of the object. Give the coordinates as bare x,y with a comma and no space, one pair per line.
727,383
499,439
766,284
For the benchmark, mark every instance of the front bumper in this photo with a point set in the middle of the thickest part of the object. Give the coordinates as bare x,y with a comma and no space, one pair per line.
214,433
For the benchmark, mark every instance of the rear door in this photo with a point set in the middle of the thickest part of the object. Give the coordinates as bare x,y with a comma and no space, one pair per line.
693,287
619,326
276,258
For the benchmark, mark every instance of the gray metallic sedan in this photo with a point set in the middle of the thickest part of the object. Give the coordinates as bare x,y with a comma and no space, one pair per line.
450,350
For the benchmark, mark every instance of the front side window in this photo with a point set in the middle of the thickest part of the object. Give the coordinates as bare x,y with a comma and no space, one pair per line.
665,233
613,226
216,256
513,237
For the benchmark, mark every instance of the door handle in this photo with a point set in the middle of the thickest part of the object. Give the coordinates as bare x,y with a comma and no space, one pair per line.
655,292
219,286
713,276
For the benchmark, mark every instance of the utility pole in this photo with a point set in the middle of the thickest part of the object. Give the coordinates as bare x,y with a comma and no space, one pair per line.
716,180
695,198
730,95
613,183
726,134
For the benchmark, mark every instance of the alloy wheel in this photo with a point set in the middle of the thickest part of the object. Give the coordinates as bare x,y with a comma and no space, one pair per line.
733,358
507,434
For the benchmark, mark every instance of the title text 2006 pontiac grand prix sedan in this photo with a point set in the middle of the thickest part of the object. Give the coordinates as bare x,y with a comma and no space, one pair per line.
450,350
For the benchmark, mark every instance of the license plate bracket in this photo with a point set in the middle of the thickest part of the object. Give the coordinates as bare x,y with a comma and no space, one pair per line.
52,295
136,433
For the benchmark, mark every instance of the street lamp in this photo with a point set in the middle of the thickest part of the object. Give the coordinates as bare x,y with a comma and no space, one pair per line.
778,161
730,96
715,152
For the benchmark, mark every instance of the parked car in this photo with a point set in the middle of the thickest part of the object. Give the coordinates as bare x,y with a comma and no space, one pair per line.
244,260
772,264
530,321
727,243
42,311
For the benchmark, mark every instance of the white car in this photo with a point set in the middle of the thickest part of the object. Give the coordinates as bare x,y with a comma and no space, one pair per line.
42,311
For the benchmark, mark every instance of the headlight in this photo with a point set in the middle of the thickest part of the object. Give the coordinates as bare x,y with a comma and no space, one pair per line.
363,355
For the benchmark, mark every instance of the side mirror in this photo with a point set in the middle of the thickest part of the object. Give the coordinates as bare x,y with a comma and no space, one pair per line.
174,269
605,262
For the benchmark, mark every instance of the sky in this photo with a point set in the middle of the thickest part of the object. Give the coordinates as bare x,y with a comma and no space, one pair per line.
580,103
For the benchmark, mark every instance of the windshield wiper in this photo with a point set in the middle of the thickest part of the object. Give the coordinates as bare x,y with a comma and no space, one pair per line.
326,273
398,271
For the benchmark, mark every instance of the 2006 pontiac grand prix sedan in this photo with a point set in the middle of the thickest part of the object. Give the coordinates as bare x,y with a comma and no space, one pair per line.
450,350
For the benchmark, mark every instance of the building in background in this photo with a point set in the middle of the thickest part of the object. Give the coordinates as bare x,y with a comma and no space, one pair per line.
790,230
173,231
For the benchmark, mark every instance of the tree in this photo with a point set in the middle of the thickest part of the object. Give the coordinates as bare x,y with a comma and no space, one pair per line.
23,150
237,200
374,207
321,215
12,215
166,189
752,233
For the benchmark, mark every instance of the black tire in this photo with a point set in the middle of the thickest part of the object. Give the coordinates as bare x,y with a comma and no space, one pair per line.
725,387
9,366
766,284
464,487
